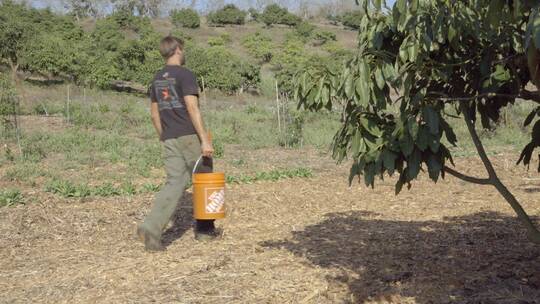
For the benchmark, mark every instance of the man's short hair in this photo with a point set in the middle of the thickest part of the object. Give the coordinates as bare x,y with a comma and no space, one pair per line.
168,46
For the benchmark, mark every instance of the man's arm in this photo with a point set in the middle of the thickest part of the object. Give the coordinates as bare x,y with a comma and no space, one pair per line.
192,105
154,111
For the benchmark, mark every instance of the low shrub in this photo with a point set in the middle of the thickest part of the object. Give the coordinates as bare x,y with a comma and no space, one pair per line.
186,17
229,14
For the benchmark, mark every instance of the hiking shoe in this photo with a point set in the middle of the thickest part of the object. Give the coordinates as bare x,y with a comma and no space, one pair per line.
207,235
151,242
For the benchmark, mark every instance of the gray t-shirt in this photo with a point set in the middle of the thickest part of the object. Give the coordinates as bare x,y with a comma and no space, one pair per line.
169,87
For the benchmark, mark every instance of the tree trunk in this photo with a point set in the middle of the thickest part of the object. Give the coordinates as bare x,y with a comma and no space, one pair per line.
533,232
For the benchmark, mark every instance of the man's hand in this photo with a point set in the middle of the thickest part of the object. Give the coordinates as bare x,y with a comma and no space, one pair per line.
206,148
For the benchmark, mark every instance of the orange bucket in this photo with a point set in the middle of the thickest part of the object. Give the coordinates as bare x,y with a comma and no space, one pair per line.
208,195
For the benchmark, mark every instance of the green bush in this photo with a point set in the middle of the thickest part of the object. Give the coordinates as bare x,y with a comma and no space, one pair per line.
305,30
352,19
10,197
275,14
7,96
216,41
222,69
322,37
186,17
229,14
254,14
260,46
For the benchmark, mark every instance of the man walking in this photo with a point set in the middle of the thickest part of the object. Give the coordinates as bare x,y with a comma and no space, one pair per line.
179,124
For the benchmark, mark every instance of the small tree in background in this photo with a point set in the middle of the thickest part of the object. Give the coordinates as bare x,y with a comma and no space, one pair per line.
472,58
9,106
259,46
352,19
229,14
275,14
322,37
186,17
305,30
254,14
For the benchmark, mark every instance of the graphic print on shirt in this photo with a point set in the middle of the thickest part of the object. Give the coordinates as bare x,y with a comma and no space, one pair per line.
166,94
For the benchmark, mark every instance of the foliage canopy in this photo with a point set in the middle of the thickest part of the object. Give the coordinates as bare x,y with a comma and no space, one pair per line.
229,14
472,58
185,17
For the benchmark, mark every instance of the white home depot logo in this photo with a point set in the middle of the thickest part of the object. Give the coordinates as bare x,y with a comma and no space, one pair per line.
216,200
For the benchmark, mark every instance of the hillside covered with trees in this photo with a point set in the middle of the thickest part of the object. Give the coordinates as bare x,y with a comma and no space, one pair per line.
227,48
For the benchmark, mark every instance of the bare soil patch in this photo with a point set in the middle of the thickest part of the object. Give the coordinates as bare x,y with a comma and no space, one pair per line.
294,241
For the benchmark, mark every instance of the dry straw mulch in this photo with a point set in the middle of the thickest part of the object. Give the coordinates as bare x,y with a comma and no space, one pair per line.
294,241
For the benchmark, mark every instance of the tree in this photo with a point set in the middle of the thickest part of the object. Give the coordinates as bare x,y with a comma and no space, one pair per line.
15,33
472,58
275,14
186,17
82,8
229,14
150,8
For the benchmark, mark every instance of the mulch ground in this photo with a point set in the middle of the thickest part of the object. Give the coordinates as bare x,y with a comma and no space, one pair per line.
293,241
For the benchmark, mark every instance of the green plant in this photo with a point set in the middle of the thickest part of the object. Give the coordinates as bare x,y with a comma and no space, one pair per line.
186,17
425,50
275,14
305,30
352,19
293,126
222,69
11,197
229,14
272,176
260,46
254,14
322,37
216,41
68,189
151,188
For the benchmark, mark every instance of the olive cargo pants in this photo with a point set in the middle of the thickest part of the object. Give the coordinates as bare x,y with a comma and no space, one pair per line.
179,157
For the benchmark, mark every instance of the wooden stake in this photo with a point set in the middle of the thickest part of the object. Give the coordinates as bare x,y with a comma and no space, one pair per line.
203,90
67,102
278,106
17,130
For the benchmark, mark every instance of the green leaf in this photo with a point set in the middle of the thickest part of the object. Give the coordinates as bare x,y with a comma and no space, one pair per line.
406,144
434,143
379,78
371,127
389,160
495,11
431,117
413,127
377,4
414,163
533,30
358,144
349,86
424,136
451,33
449,132
354,172
434,167
402,6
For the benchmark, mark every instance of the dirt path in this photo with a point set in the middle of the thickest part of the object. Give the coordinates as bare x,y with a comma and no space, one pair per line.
294,241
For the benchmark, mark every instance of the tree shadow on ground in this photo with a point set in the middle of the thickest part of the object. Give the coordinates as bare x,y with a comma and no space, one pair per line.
182,220
479,258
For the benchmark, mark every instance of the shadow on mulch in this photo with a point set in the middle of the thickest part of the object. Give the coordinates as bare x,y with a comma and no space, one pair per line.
480,258
182,220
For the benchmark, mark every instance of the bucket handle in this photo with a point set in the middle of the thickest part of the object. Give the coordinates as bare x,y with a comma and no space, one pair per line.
196,165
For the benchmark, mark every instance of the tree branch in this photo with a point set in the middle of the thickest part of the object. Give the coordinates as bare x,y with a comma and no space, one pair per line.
477,142
533,232
467,178
524,94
